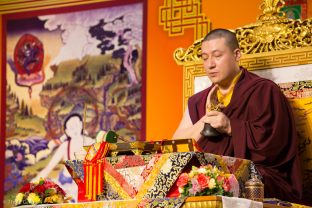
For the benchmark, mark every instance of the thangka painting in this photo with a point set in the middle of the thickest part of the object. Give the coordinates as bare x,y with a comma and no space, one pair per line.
296,9
82,64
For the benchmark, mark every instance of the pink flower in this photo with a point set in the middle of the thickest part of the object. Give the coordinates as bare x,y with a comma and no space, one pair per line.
206,180
234,185
183,180
226,185
220,179
203,180
195,187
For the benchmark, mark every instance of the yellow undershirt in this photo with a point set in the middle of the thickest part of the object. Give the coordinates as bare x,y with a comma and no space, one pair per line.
226,99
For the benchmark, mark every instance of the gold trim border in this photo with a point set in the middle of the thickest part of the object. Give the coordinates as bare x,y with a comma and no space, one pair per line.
265,60
115,185
7,7
275,59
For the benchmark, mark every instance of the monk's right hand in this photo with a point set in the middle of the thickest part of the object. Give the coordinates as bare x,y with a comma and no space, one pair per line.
219,121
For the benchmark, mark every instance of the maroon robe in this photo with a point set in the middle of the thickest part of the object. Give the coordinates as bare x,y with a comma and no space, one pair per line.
263,130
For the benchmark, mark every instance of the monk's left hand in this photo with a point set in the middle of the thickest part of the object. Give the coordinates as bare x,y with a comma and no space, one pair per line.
219,121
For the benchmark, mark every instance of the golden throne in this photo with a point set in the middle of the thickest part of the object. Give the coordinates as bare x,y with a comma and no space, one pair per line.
279,49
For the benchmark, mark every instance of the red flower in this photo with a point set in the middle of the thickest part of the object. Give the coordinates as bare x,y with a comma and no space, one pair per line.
60,191
50,184
183,180
203,180
44,189
226,185
25,188
220,179
39,189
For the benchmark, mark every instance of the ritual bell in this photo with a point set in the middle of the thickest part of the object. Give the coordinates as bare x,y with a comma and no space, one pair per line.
209,131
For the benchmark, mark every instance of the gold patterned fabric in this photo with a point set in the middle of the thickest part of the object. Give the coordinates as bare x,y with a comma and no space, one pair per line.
161,203
96,204
299,95
156,174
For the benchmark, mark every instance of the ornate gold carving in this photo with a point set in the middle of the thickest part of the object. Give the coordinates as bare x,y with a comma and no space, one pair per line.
271,32
177,15
189,74
271,10
137,152
251,62
189,56
277,59
272,41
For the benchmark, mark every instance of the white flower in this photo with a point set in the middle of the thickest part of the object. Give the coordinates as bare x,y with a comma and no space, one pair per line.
202,170
212,183
181,190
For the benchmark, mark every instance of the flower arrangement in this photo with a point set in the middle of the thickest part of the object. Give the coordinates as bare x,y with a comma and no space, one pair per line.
205,181
42,192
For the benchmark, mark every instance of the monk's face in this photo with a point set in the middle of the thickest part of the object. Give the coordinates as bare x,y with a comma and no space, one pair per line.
220,61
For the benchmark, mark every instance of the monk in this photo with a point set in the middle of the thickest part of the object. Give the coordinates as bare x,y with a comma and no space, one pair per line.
254,118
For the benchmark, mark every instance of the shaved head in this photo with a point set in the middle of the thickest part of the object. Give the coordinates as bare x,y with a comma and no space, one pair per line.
230,37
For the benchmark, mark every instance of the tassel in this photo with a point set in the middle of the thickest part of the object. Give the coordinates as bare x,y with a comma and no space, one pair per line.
94,170
94,180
